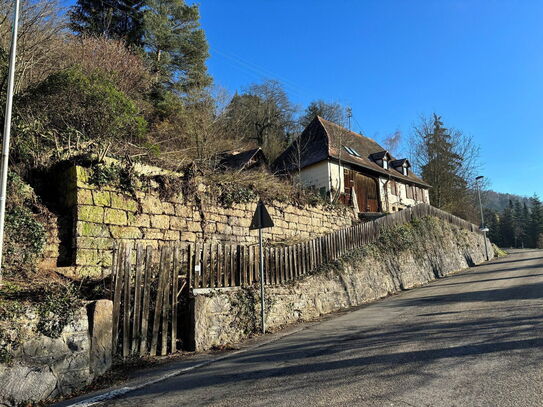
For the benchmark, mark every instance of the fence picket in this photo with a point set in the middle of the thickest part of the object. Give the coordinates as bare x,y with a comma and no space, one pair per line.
166,301
158,304
177,260
117,274
136,330
126,306
146,300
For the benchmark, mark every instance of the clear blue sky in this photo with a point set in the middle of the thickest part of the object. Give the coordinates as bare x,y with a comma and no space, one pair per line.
479,64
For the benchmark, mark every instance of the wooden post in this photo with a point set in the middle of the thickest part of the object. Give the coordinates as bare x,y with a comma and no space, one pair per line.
175,303
146,299
166,299
118,272
159,300
126,301
136,327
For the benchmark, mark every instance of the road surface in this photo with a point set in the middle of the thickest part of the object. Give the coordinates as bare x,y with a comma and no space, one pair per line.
473,339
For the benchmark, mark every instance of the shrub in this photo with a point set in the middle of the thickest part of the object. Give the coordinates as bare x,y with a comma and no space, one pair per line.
71,111
58,309
25,235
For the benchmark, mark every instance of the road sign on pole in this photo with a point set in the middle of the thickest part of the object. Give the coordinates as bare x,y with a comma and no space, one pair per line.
261,220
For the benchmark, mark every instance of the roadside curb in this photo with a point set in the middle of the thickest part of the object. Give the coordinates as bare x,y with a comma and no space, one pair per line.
112,394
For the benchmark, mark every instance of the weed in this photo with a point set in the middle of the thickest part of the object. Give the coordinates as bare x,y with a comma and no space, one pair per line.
58,310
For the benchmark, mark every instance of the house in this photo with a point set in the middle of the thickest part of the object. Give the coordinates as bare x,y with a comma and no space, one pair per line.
344,164
243,160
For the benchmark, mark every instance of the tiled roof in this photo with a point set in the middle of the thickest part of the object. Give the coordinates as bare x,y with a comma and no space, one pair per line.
323,139
243,160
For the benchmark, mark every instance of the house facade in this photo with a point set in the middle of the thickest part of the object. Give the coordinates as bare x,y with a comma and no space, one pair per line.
353,168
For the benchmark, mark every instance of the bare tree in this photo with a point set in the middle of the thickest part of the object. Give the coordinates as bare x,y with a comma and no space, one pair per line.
392,142
40,27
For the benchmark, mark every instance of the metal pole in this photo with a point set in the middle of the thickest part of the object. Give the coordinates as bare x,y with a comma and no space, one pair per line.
262,299
7,130
482,216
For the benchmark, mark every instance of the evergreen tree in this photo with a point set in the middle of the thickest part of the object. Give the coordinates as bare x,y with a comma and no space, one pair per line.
518,232
507,226
442,170
176,45
492,221
114,19
536,222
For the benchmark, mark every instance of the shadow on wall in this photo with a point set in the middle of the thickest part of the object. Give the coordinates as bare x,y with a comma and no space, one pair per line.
56,189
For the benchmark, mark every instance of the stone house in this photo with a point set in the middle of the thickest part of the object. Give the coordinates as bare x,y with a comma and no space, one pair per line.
356,169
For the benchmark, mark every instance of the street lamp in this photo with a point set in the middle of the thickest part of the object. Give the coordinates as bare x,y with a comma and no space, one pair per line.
7,129
483,228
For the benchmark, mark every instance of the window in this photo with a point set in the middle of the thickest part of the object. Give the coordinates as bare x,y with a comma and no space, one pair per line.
393,187
352,151
404,171
385,164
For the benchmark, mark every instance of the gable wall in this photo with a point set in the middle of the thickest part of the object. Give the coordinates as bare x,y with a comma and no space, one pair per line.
393,202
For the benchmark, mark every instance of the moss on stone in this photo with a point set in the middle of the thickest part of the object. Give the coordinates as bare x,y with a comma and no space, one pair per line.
100,243
120,201
92,229
125,232
84,197
160,221
101,198
115,217
89,213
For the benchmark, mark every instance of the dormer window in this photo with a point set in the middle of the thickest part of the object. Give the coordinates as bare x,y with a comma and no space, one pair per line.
402,166
381,158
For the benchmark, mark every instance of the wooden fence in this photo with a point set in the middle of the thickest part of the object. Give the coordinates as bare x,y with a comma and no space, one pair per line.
146,293
146,300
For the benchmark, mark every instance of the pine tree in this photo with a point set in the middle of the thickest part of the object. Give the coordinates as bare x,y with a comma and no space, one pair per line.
535,231
492,221
507,226
114,19
442,169
176,45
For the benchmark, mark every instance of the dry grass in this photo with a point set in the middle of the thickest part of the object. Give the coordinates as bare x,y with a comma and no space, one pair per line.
260,183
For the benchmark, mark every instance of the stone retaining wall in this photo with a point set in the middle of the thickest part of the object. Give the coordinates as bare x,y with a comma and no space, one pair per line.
42,368
225,316
103,216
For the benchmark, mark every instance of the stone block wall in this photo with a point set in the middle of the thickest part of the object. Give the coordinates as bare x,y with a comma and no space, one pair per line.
104,216
42,368
226,316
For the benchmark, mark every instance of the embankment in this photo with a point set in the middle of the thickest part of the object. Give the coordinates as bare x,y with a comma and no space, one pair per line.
404,257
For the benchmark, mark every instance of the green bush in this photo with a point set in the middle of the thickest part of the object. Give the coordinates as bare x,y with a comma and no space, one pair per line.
71,111
25,235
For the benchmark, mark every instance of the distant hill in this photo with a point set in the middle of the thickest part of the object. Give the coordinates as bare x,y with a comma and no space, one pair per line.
498,200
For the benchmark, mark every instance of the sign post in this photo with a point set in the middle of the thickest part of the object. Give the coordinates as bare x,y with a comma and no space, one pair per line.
261,220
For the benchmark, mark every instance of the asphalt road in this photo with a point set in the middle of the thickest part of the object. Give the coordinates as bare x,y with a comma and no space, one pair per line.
473,339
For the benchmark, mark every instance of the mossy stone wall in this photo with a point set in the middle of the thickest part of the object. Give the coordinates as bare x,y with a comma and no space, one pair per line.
106,215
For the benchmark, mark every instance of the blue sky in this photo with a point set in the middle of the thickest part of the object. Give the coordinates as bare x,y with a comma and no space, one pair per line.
479,64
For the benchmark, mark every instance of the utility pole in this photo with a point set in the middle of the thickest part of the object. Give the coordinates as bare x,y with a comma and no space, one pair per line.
483,227
7,130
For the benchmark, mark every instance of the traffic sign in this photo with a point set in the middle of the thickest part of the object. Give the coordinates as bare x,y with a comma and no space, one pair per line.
261,218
